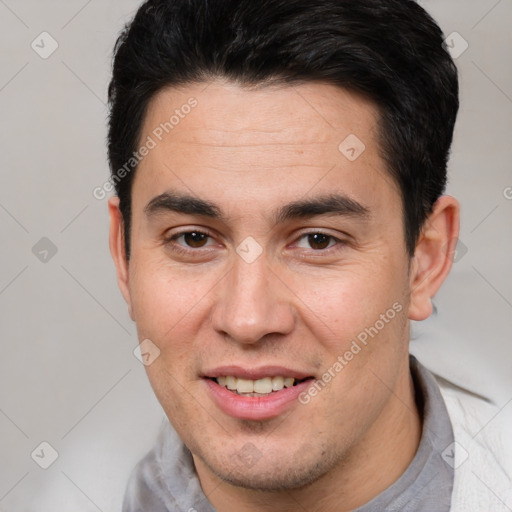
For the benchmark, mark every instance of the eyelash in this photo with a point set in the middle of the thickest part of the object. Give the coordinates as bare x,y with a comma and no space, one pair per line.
179,249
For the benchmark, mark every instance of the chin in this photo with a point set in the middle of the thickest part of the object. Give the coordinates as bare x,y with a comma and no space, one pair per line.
272,472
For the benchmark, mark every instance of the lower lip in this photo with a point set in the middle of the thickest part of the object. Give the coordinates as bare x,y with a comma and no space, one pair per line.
255,408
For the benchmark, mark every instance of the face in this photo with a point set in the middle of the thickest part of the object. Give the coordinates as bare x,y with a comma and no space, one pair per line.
264,248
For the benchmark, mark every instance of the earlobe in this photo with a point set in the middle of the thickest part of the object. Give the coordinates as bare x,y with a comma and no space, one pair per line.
433,256
117,250
420,301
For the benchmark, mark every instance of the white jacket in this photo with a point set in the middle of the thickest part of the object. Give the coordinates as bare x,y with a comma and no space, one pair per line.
482,452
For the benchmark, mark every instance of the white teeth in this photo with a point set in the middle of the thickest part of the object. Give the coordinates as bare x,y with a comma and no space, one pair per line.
255,387
288,382
245,386
277,383
230,383
263,386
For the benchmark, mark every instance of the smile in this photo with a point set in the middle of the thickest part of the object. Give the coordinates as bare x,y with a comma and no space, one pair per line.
260,387
255,394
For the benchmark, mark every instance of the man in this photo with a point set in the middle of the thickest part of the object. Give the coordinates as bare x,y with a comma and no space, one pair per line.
279,219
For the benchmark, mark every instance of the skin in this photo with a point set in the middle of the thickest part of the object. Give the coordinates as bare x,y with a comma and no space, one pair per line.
298,305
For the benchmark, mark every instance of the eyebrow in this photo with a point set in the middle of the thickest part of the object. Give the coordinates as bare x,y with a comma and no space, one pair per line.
331,204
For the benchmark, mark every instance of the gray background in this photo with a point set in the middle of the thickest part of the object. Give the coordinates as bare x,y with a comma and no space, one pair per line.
68,375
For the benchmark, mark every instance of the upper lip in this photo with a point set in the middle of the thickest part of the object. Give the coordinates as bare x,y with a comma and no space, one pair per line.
255,373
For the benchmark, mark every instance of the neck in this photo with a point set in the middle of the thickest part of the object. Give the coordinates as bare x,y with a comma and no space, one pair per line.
376,462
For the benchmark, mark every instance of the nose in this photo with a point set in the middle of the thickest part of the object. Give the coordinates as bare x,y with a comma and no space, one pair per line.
252,303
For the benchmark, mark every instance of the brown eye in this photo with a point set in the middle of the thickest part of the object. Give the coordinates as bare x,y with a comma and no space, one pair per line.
319,241
192,240
195,239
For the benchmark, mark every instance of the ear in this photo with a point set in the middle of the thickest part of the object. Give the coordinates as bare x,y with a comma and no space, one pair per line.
433,256
117,250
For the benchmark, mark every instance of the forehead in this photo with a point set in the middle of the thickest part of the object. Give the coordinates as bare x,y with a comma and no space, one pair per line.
261,145
311,113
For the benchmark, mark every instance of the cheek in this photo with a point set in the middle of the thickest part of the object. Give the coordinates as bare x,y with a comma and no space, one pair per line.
347,300
166,301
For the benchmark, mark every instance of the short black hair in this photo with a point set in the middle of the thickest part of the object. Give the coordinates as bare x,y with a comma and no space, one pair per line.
390,51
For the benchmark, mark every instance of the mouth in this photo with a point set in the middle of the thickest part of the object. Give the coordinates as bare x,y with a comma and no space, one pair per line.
255,394
257,388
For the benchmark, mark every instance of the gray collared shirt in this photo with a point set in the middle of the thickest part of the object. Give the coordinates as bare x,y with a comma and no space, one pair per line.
165,480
